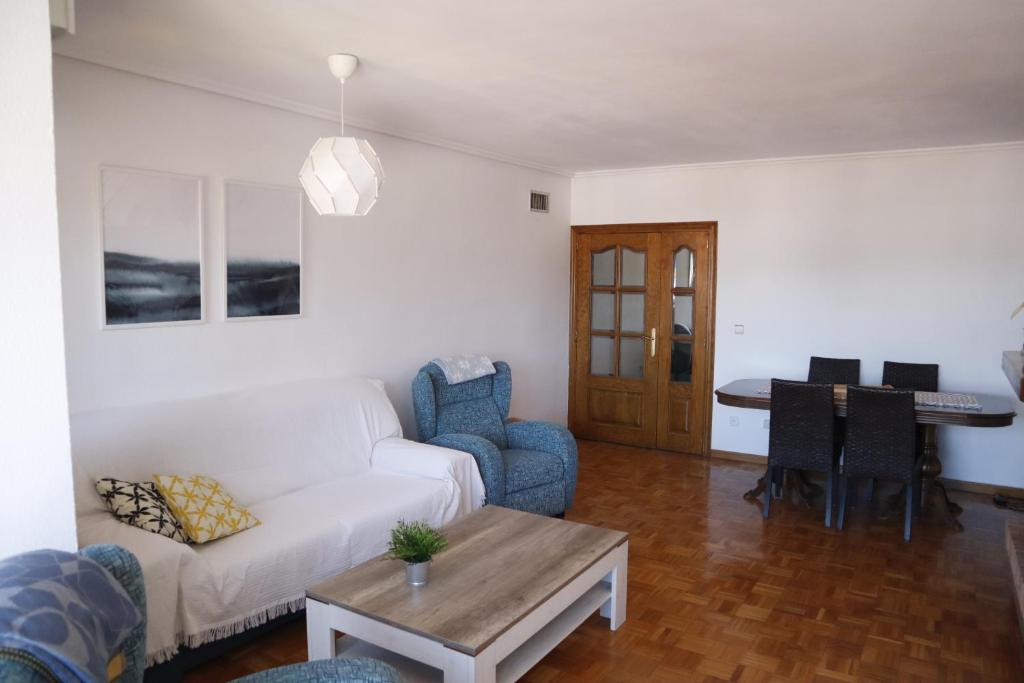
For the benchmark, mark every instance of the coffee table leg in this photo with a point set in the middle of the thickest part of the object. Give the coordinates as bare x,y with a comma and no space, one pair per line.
462,668
321,640
615,607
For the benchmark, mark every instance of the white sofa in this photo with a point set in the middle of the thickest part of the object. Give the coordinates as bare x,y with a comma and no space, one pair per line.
321,463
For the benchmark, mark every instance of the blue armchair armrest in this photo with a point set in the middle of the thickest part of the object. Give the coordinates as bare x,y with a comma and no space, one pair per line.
327,671
125,567
548,437
488,459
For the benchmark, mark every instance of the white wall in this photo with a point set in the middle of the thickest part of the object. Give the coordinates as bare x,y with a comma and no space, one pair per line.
36,507
907,257
450,259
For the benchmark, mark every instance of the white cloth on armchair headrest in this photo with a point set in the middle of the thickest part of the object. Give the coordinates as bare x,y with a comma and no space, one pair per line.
465,367
237,438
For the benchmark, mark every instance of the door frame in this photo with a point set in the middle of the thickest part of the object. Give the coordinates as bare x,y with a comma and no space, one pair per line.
712,228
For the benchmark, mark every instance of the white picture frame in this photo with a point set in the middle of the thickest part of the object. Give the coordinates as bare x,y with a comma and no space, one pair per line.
151,238
263,251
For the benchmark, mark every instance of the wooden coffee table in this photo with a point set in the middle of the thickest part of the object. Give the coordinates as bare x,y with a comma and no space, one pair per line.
508,589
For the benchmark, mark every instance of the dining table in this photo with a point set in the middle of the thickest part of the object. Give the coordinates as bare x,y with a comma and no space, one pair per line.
988,411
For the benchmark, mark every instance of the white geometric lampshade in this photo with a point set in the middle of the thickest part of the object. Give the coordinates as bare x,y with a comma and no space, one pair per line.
342,177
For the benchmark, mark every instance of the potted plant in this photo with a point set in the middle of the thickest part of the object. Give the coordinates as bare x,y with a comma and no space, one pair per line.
416,543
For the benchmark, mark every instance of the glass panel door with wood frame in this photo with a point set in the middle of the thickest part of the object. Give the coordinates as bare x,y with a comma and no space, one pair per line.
615,373
683,386
642,335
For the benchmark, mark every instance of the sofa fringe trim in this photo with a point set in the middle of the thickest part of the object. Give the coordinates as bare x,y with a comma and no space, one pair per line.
250,621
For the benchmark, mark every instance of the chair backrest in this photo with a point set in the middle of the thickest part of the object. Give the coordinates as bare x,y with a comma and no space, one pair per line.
479,406
834,370
802,427
880,433
916,376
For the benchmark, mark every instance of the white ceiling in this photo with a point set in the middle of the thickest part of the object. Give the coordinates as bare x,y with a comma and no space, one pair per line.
580,85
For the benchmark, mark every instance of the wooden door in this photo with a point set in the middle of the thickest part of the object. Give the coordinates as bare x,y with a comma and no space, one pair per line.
661,399
684,384
616,309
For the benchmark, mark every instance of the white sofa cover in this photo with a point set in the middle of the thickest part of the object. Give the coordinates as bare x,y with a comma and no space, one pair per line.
321,463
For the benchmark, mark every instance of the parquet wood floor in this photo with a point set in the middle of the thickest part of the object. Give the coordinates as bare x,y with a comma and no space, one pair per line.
718,594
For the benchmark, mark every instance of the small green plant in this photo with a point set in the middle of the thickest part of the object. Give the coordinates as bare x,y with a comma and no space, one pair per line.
415,542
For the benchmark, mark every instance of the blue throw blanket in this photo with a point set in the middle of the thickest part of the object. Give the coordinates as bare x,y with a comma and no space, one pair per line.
65,610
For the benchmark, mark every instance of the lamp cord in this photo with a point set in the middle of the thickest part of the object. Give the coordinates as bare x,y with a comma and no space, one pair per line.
342,108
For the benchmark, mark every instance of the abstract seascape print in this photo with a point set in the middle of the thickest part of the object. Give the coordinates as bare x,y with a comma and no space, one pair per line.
264,244
151,247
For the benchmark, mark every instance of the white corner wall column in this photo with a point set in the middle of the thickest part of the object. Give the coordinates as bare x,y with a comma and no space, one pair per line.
37,505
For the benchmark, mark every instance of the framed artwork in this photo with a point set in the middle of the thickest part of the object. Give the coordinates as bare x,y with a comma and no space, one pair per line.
152,244
263,250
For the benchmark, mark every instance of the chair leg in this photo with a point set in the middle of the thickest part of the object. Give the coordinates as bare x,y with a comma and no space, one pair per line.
842,501
829,485
770,479
908,516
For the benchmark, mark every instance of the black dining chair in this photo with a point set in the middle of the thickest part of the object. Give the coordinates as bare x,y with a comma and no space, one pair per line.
916,376
801,435
879,443
834,370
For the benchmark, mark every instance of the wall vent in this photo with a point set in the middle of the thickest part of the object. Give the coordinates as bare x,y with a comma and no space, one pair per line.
539,201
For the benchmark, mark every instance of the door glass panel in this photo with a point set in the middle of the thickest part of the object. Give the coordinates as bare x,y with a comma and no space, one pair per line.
602,311
634,268
682,273
631,357
601,350
632,315
682,314
682,362
602,268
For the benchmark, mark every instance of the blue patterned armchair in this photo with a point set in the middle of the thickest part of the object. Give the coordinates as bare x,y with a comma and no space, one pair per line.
18,666
528,466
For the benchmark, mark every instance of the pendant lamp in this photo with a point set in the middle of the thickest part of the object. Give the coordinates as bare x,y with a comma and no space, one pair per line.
342,176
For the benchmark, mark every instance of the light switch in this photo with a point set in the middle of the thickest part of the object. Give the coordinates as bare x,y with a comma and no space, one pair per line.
737,329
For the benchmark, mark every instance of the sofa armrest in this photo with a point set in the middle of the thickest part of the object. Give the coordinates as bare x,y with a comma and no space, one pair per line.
125,567
488,460
412,459
548,437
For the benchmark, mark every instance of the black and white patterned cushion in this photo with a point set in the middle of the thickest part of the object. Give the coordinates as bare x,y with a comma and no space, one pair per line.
140,505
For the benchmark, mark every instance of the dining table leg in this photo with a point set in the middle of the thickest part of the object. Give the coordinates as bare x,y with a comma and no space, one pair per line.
802,488
933,492
755,492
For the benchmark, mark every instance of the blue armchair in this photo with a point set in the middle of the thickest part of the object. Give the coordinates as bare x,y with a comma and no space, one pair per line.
528,466
21,667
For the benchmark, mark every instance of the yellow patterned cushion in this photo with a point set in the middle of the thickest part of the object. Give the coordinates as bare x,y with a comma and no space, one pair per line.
203,507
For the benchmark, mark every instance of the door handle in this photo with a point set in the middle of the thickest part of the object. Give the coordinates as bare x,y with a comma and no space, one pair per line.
653,339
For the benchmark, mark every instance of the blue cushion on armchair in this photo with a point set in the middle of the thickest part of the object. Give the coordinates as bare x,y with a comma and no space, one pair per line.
478,416
529,466
526,469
